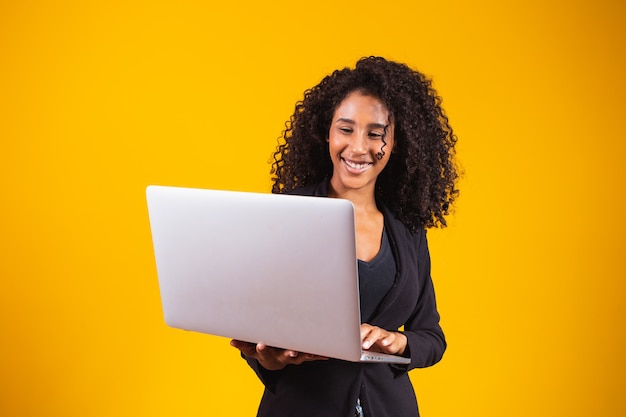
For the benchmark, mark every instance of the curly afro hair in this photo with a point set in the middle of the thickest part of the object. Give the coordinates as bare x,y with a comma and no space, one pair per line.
418,183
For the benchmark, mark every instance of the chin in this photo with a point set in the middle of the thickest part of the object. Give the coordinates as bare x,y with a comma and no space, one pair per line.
352,184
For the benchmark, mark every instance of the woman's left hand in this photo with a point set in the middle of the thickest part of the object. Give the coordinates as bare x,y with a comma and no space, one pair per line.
380,340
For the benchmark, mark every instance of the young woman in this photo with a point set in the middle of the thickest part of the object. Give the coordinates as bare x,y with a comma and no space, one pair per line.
377,136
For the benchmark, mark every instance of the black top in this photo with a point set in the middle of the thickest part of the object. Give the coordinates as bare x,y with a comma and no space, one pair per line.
376,278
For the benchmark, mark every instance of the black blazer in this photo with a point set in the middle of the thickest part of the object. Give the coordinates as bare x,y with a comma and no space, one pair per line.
331,388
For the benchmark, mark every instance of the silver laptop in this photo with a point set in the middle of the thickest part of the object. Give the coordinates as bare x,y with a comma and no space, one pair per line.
276,269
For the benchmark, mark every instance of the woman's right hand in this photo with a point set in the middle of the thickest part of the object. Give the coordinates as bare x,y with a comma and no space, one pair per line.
273,359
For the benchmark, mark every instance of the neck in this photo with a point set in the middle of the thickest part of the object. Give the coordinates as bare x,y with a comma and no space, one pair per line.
363,199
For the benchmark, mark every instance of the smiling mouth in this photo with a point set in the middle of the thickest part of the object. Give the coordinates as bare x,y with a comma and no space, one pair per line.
357,166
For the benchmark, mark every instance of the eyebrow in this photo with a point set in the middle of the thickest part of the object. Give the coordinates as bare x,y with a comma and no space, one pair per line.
370,125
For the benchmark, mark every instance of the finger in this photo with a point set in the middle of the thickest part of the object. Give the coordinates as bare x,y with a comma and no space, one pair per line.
291,354
388,340
312,357
365,330
394,343
375,334
262,350
276,355
240,343
262,353
316,358
248,349
308,357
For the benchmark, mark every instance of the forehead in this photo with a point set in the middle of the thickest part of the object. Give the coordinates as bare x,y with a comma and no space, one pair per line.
364,105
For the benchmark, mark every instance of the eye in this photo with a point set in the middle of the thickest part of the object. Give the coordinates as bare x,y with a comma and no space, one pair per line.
375,135
346,130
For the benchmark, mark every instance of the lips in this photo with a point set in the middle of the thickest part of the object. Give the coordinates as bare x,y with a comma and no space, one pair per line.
357,166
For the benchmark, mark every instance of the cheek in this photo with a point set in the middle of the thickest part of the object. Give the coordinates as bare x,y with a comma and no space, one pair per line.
335,146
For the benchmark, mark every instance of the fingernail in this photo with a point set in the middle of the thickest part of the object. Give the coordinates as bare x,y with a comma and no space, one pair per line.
366,344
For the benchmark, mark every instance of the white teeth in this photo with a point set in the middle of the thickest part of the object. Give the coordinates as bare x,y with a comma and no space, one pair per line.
357,166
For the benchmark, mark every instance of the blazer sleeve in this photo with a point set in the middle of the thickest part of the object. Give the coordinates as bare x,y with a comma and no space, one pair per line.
425,339
267,377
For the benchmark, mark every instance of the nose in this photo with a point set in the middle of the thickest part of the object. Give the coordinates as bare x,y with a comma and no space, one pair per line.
359,143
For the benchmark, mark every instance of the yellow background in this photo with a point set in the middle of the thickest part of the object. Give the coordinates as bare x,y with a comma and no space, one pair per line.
100,99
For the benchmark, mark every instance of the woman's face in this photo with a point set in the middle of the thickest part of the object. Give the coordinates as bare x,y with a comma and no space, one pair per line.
356,144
